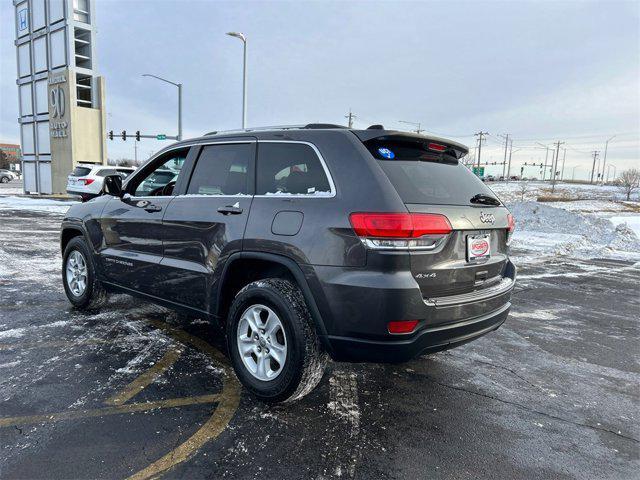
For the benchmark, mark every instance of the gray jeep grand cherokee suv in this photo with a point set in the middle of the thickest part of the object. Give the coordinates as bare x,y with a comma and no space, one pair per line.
362,245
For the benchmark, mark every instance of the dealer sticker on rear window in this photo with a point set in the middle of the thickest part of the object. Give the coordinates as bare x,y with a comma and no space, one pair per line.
386,153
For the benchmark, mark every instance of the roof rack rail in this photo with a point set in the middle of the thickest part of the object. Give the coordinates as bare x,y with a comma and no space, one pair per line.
277,127
256,129
323,125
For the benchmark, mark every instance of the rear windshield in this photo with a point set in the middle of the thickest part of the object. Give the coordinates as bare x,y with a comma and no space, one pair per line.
80,171
420,176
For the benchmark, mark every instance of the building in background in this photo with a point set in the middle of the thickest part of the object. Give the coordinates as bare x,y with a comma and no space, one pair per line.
12,151
61,99
11,156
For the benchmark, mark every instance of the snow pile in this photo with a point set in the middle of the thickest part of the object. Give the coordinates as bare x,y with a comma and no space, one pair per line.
35,204
549,230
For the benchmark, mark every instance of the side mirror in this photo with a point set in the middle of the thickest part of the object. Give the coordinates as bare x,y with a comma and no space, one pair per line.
112,185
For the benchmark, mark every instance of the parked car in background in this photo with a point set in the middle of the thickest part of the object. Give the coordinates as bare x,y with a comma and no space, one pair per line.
514,177
362,245
86,179
490,178
6,176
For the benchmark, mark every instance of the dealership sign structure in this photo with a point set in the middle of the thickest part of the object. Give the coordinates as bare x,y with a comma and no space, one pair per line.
62,109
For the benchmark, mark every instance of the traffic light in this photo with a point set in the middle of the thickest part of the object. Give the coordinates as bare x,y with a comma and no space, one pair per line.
138,135
110,134
124,135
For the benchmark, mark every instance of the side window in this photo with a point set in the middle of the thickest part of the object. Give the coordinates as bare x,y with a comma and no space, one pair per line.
290,168
159,181
222,170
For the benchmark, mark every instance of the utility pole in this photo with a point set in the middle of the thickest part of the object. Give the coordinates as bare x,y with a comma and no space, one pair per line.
544,171
351,116
554,165
135,151
593,169
418,130
506,145
604,161
564,157
480,136
509,168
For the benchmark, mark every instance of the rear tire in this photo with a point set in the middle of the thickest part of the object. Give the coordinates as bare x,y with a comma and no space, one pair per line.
81,284
289,333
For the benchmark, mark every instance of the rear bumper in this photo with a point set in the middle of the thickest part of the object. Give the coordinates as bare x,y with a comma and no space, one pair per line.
428,340
358,305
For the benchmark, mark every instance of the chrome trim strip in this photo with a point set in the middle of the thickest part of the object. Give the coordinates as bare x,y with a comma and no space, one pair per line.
501,288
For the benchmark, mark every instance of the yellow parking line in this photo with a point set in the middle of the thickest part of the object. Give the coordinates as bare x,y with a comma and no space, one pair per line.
115,410
229,400
146,379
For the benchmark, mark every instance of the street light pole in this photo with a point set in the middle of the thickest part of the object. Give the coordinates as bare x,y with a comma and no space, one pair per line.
242,37
179,85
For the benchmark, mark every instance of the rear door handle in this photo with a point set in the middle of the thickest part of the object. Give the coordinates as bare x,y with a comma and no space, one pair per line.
230,210
153,208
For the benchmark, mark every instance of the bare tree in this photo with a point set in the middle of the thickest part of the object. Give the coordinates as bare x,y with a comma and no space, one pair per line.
629,181
523,188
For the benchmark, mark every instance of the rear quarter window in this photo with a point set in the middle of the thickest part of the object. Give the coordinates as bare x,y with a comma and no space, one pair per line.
290,169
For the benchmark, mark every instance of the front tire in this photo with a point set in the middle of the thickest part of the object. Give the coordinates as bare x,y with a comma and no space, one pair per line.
81,284
272,342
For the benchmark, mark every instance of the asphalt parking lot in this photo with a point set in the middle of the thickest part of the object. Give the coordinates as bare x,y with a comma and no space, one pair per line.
135,391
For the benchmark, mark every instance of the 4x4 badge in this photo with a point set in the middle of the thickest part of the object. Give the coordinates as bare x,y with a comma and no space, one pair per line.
487,218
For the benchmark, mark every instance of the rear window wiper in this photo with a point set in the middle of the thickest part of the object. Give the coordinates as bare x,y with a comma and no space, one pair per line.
484,199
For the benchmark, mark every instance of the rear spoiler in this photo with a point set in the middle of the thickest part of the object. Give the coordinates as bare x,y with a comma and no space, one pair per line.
459,149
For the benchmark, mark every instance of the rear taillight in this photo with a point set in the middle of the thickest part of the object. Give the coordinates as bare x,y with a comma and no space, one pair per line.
511,227
400,230
86,181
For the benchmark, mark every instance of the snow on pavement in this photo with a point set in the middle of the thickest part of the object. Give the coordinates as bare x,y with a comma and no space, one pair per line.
35,204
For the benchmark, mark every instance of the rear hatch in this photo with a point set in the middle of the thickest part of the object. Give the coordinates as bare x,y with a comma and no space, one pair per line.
429,178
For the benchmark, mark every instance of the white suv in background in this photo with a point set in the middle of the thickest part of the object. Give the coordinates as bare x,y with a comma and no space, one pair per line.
86,180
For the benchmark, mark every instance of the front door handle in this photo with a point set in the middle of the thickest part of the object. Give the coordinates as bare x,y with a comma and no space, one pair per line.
153,208
230,210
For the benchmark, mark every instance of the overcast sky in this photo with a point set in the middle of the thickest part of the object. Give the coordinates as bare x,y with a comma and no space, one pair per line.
540,71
